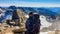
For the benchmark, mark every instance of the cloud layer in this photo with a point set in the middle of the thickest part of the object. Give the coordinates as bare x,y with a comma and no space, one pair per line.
31,4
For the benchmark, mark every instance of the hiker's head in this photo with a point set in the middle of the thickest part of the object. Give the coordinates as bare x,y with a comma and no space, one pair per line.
31,13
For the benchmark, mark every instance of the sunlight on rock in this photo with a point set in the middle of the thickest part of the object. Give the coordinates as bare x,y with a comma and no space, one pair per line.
9,33
26,16
43,32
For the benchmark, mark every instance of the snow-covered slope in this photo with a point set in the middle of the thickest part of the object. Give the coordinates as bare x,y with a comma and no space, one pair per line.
44,22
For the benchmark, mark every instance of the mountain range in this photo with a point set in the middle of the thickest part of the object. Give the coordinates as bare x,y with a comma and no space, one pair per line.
47,11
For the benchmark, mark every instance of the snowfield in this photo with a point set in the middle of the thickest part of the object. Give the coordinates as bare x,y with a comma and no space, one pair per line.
44,22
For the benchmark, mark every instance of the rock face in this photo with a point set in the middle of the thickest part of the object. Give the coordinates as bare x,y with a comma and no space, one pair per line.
22,17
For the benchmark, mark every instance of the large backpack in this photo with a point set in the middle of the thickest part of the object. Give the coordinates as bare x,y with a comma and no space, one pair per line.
36,23
36,18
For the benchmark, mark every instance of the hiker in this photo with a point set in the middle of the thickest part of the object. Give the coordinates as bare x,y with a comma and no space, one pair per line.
29,25
33,23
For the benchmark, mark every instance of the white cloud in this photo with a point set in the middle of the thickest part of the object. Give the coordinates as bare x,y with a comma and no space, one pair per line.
39,4
31,4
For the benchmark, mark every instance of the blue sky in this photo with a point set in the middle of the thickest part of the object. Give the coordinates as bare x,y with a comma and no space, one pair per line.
31,3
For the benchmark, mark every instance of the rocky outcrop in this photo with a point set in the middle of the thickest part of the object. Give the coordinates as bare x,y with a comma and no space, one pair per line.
22,17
